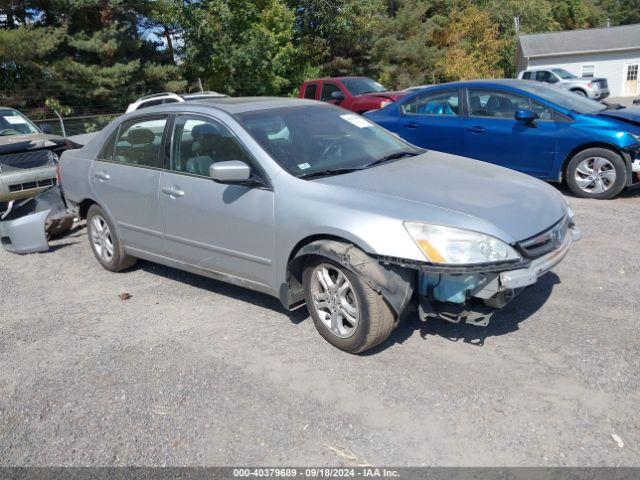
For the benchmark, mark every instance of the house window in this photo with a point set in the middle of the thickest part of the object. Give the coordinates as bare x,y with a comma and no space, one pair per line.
632,72
588,71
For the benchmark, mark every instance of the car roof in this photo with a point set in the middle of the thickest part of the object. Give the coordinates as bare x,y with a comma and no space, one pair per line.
233,105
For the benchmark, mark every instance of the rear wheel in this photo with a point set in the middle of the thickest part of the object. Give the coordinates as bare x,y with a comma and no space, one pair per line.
596,173
346,311
104,241
582,93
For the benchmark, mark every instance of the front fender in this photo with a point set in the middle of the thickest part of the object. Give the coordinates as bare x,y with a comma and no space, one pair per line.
394,283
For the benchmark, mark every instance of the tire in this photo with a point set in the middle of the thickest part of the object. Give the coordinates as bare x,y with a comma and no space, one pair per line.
582,93
375,320
597,173
104,241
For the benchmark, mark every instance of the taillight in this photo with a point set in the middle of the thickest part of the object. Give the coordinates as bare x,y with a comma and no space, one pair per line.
589,85
384,103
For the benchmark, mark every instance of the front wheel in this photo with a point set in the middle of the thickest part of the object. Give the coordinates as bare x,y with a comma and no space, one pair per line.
346,311
596,173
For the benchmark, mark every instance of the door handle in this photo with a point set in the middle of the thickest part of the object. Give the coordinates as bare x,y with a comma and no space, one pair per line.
476,129
102,176
173,191
411,124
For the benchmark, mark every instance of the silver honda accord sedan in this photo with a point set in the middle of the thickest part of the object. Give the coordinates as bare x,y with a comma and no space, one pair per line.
315,205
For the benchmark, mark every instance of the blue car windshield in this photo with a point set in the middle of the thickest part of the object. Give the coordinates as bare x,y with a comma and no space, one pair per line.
309,140
563,98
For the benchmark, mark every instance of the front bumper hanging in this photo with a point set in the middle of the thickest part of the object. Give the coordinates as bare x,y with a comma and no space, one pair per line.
25,227
474,297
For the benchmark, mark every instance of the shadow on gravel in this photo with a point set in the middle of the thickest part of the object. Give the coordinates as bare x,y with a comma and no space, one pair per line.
504,321
629,192
239,293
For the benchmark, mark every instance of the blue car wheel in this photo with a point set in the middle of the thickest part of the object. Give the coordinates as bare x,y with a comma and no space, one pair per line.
596,173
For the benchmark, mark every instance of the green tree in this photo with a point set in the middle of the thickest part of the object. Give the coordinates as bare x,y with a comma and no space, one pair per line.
243,49
338,35
571,14
405,52
473,45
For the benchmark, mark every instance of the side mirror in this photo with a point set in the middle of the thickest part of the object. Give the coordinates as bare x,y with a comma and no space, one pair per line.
46,128
338,96
526,116
230,172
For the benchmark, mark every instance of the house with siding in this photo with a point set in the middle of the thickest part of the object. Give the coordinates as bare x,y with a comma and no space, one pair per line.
612,53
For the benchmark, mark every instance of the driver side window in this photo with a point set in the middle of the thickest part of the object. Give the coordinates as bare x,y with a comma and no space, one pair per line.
327,90
546,77
198,142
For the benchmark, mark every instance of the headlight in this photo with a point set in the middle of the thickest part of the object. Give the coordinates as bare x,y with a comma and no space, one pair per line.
456,246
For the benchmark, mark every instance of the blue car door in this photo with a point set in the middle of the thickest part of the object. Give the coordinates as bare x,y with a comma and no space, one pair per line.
492,133
433,120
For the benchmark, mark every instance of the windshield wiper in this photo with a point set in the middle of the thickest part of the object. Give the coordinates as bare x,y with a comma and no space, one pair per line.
330,171
339,171
392,156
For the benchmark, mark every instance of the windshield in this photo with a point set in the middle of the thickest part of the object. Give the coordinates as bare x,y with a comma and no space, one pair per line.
307,140
360,85
563,74
564,98
13,122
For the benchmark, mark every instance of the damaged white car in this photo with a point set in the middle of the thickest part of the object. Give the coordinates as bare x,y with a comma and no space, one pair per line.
318,206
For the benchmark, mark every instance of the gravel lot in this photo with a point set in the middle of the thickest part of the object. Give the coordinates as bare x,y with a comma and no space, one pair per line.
191,371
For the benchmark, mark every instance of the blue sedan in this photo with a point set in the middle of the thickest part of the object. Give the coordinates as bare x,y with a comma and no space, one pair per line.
527,126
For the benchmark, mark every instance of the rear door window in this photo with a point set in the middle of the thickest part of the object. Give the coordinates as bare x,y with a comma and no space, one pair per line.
526,76
438,103
140,142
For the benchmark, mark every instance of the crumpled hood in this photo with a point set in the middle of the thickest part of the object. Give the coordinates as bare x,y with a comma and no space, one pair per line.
450,186
630,114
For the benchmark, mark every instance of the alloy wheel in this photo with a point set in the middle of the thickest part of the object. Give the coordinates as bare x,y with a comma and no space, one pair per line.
595,175
101,238
334,300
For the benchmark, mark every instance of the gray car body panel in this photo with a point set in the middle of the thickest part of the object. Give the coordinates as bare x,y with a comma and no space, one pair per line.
366,208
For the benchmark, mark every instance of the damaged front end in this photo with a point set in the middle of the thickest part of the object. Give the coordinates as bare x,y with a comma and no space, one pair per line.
26,227
473,294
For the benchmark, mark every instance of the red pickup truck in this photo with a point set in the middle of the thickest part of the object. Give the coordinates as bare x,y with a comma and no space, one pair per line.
358,94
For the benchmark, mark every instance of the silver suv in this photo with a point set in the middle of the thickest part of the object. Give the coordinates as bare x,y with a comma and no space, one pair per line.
595,88
313,204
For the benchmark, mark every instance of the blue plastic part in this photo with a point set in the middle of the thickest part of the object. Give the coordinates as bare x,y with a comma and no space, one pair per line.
448,287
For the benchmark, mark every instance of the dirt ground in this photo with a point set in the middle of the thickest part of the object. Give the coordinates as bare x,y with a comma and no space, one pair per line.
191,371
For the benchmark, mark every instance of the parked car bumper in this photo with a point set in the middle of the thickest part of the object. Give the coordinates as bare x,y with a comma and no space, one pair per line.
600,94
